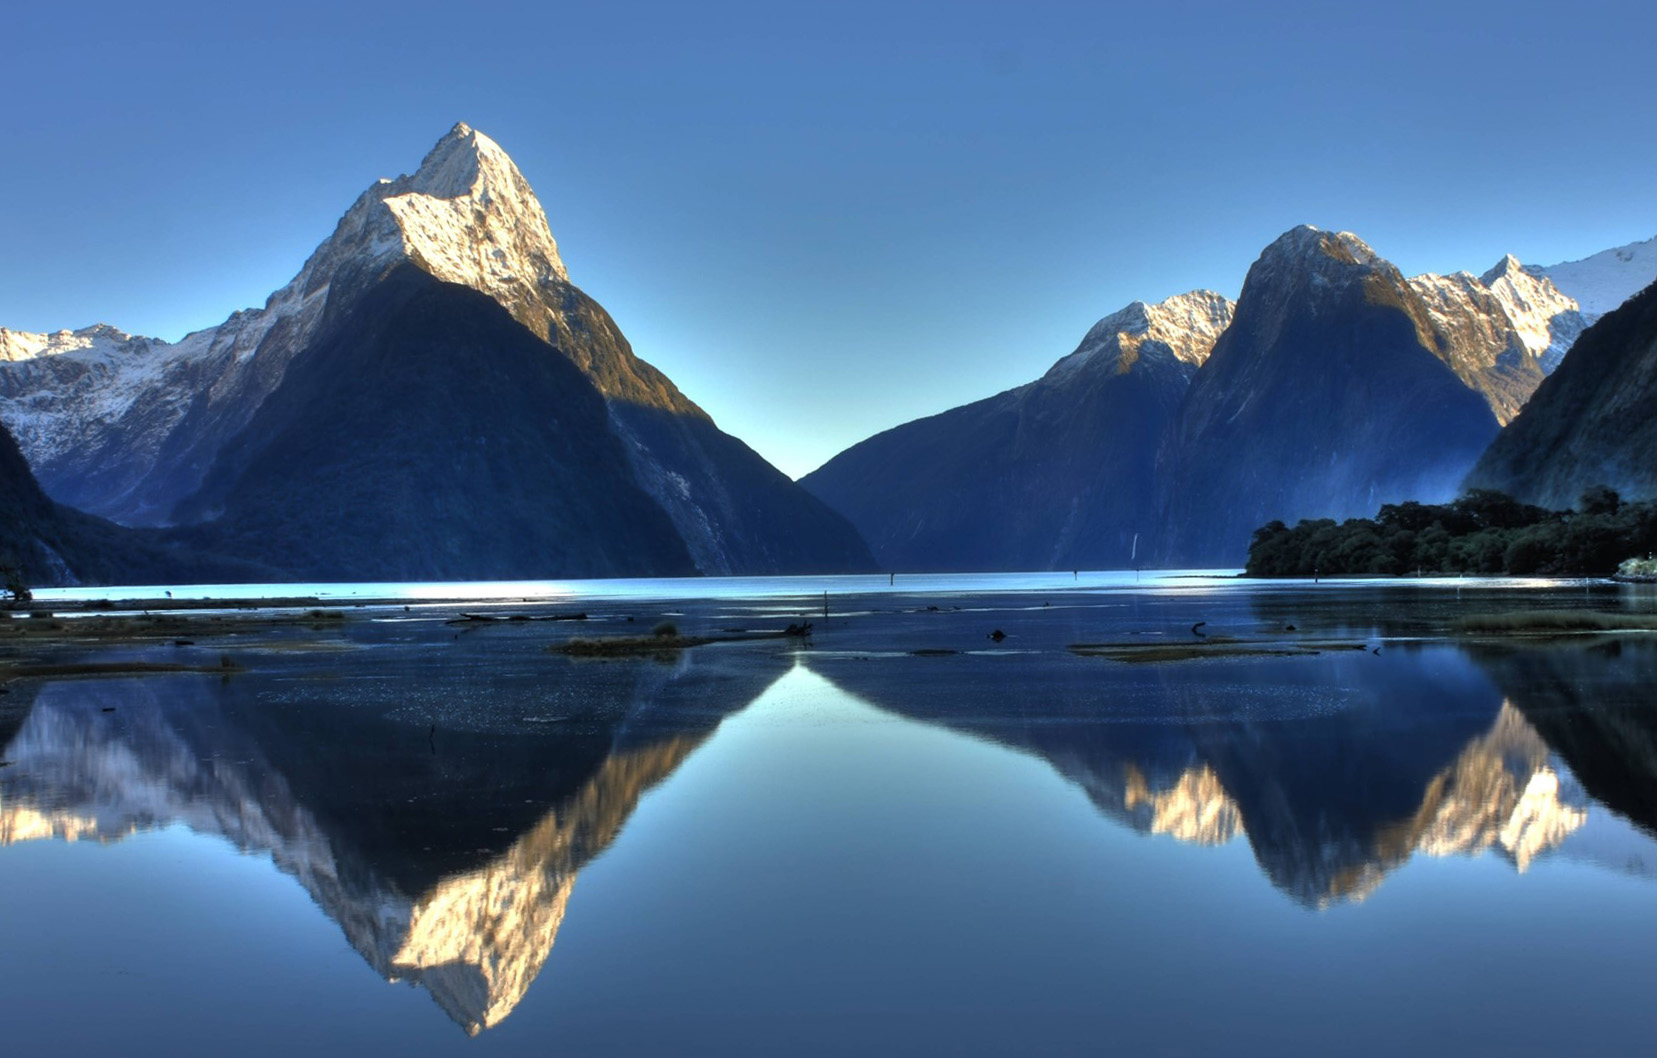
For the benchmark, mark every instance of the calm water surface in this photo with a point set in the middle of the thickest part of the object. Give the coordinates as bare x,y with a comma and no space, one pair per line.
1406,844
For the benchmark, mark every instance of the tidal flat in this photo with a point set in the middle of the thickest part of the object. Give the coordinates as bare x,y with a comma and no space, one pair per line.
1181,815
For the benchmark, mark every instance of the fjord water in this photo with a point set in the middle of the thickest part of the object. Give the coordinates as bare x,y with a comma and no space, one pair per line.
1423,845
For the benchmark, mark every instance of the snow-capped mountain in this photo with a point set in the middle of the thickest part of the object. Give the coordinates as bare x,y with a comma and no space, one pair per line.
1056,474
123,426
1484,349
1606,279
1060,473
1548,320
1186,326
1338,387
1589,423
151,433
1501,332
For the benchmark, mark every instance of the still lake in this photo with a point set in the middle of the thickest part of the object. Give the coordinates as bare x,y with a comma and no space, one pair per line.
400,834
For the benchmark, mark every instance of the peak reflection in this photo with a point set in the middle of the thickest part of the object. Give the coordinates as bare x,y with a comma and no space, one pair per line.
1336,769
448,859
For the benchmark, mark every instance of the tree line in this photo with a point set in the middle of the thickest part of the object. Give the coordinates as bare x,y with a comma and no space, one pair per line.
1484,531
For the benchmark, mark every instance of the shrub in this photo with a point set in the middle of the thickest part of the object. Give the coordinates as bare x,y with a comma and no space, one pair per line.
12,586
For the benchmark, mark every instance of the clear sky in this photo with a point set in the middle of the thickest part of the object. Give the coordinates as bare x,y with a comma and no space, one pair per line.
821,220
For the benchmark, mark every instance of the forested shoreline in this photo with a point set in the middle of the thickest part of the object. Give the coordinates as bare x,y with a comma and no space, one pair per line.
1483,531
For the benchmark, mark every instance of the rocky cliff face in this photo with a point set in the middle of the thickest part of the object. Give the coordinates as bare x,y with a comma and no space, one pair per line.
135,429
1057,474
1335,390
1590,423
1501,333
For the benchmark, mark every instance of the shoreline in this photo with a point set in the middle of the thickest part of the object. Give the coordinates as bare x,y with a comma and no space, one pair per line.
1243,617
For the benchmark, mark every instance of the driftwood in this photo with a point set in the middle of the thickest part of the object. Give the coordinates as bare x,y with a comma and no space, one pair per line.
471,618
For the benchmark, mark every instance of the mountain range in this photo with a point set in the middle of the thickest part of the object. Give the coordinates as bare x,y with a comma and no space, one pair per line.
432,398
1590,423
1334,384
1055,474
429,398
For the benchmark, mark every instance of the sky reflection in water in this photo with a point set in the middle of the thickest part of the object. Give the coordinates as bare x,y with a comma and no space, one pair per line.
1431,848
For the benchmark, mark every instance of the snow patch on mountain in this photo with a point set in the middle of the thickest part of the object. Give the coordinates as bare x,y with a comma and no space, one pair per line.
101,402
1185,327
1506,312
1606,279
95,373
1319,254
1547,319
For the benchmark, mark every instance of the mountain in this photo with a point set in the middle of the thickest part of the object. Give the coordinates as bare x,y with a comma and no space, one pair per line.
151,433
1590,422
1056,474
1508,329
48,543
487,458
1065,472
1605,280
1338,387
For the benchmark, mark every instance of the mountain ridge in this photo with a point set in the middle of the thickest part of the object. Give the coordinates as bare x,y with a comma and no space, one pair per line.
1331,392
138,430
973,487
979,486
1587,424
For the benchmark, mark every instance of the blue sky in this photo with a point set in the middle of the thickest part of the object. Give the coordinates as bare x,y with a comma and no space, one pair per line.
821,220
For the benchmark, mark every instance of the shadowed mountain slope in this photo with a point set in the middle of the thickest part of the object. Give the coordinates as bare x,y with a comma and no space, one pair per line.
427,435
1057,474
48,543
1590,423
146,432
1331,393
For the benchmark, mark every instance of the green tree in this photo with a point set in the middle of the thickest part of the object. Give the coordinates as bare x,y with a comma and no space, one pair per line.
1599,499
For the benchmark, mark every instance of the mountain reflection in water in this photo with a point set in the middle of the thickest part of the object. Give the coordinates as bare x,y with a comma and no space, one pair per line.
447,852
468,909
1337,769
